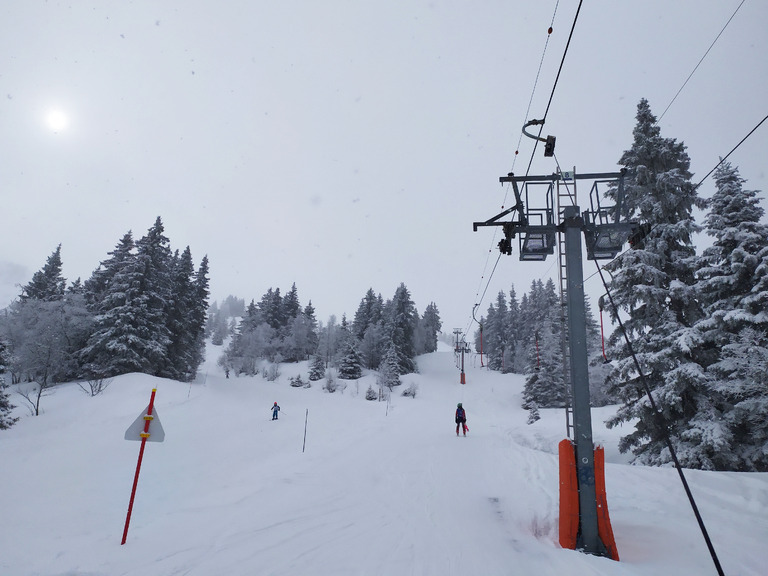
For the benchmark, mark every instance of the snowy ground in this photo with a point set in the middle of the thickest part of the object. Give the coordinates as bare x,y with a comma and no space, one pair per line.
382,489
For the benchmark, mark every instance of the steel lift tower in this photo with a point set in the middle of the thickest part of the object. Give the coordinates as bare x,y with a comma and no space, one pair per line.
546,217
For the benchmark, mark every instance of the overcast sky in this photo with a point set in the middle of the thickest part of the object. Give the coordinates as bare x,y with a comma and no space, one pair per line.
343,145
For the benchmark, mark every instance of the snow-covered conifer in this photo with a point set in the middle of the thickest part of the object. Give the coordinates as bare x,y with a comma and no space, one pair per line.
431,324
181,304
350,366
6,420
389,369
653,286
734,333
496,332
369,312
317,368
401,322
47,284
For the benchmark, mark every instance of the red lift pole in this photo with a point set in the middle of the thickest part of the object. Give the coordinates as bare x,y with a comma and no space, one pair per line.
144,436
481,347
602,335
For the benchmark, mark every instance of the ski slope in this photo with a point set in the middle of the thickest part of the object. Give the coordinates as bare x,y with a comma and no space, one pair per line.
382,488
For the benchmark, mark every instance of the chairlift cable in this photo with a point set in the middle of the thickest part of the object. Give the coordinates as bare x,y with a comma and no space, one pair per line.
702,60
696,187
732,150
661,425
506,193
477,304
554,87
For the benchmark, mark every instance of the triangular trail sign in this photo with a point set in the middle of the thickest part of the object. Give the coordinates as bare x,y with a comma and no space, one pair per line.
156,432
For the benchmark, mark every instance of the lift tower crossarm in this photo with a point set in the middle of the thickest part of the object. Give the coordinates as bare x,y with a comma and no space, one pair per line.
556,177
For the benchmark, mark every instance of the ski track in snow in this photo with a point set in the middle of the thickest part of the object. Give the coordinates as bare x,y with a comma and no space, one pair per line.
380,491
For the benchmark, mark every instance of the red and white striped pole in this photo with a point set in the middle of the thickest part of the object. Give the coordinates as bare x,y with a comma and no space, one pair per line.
144,435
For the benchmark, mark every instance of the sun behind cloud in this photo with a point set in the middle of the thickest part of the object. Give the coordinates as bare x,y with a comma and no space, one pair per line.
57,120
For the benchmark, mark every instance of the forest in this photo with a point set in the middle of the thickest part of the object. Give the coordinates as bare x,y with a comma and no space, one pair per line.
697,322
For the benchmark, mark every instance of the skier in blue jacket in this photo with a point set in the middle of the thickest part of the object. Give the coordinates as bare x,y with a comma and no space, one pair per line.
275,410
461,419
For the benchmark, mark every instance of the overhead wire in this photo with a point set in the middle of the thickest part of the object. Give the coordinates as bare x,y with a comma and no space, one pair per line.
554,87
661,426
541,127
723,159
514,160
702,60
732,150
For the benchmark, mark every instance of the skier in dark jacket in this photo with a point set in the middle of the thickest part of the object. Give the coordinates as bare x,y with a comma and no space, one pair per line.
275,410
461,419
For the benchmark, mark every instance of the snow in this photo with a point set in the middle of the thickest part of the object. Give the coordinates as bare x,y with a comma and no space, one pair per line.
381,489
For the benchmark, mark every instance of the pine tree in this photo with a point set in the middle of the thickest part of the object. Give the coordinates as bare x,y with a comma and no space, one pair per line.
271,308
312,337
741,374
179,318
373,345
544,381
401,322
496,332
197,319
116,345
513,328
96,286
350,367
389,370
300,341
317,368
368,313
6,420
653,286
432,324
47,284
131,296
728,274
545,385
217,325
734,334
290,305
525,335
153,258
233,306
343,338
244,349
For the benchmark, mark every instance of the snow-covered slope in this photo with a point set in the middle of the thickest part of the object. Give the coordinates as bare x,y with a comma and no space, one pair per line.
381,489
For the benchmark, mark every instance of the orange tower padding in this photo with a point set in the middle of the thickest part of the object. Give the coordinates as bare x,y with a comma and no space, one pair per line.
569,500
604,529
569,495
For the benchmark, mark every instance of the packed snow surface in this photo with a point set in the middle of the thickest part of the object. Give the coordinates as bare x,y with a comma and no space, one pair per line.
382,488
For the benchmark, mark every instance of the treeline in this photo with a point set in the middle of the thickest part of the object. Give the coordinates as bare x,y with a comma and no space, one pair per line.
525,336
142,310
277,329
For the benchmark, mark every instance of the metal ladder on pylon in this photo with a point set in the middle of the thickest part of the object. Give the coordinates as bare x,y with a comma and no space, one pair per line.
566,196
